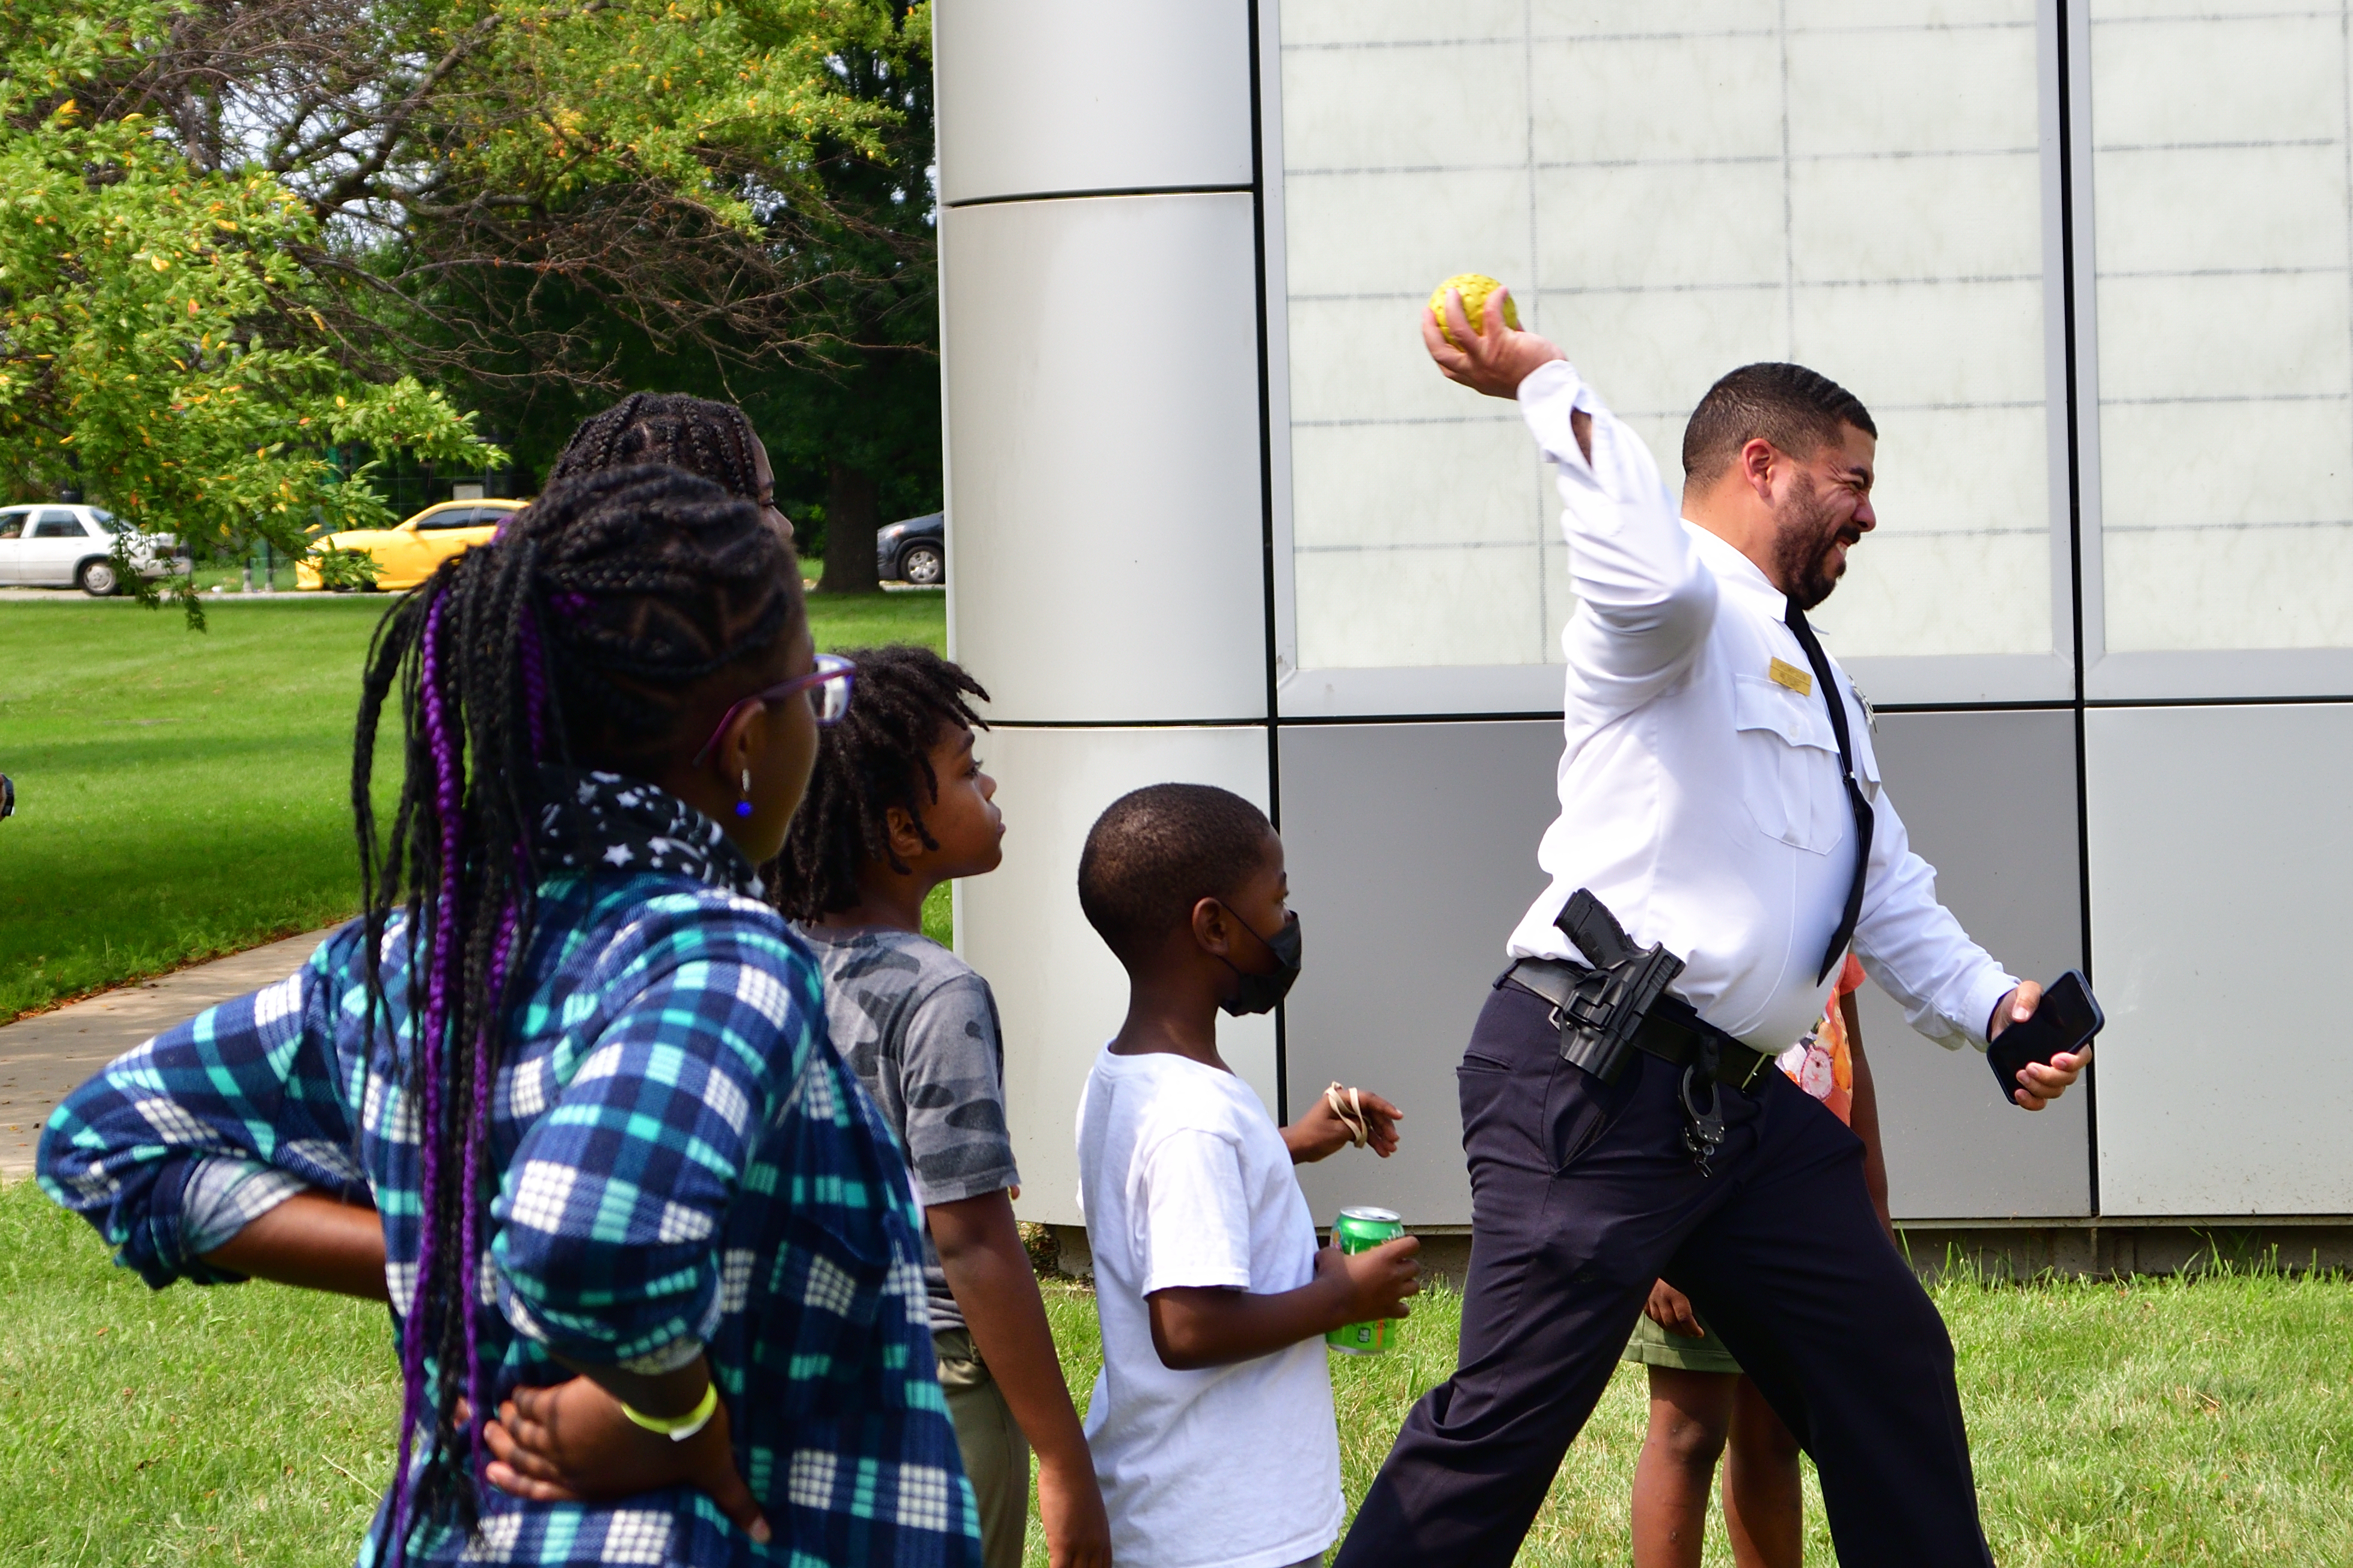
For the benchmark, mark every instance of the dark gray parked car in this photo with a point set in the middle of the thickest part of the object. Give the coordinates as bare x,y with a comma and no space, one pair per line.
915,551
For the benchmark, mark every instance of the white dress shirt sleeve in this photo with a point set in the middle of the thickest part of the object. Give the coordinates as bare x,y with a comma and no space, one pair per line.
1645,600
1916,950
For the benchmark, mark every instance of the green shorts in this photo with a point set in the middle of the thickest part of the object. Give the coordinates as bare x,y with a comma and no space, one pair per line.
995,1454
1653,1346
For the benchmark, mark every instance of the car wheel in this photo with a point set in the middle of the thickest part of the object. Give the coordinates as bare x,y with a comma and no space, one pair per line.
924,566
98,579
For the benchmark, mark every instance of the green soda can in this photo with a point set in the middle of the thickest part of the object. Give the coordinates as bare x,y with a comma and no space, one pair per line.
1361,1230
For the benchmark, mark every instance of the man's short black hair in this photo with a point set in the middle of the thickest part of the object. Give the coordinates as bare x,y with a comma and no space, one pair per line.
1157,852
1799,411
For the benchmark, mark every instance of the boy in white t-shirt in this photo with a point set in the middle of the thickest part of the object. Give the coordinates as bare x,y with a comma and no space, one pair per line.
1212,1423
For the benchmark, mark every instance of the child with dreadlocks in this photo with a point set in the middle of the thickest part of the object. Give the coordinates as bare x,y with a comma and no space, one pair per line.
898,806
563,1093
693,434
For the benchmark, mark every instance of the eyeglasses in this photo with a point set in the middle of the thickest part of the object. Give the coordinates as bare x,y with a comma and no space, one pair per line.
828,683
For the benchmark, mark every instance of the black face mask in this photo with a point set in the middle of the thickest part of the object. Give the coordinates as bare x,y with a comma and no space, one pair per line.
1261,992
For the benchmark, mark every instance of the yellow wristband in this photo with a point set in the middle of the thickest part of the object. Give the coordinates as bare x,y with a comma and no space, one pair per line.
679,1429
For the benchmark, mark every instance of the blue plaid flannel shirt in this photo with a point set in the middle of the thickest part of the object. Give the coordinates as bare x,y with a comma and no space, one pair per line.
682,1157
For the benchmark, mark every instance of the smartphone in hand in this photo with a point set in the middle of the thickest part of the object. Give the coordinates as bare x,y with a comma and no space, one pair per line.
2066,1019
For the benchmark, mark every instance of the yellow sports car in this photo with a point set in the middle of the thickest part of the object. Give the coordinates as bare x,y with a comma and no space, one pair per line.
406,555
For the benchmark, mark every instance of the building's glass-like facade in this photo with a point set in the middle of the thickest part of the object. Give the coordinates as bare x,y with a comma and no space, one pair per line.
1671,189
2087,262
2220,204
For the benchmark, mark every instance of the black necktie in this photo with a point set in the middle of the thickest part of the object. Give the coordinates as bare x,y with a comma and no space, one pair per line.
1831,695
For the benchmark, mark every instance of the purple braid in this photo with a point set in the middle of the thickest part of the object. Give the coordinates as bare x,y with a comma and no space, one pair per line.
477,1132
534,678
443,951
534,686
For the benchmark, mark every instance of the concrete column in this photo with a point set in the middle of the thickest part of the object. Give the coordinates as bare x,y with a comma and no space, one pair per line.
1105,513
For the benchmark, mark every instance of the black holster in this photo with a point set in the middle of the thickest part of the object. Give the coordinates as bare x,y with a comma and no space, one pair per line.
1603,1007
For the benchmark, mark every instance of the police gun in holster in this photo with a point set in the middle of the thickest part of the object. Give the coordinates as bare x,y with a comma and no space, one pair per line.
1602,1008
1616,1004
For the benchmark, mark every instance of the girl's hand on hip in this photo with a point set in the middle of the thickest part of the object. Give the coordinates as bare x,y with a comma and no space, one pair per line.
569,1442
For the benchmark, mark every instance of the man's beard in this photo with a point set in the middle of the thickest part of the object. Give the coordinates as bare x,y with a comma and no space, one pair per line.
1807,526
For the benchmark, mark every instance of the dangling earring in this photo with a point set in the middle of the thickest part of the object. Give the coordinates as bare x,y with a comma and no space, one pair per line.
743,806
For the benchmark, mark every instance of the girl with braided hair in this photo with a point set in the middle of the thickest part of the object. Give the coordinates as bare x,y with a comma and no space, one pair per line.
564,1094
713,439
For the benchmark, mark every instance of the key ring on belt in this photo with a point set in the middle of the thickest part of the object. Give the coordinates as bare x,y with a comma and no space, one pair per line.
1704,1129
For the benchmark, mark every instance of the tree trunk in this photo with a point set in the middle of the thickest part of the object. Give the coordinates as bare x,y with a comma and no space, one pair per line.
851,521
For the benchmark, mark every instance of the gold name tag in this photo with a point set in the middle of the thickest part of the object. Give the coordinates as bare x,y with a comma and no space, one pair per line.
1790,676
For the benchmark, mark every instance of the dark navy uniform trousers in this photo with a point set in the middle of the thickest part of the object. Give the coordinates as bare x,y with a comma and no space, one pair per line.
1581,1195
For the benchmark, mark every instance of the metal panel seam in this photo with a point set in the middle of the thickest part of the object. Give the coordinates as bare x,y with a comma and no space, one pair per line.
2062,19
1266,518
1107,191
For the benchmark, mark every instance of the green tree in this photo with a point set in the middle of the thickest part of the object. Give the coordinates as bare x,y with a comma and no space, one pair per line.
820,318
537,205
479,169
162,341
863,409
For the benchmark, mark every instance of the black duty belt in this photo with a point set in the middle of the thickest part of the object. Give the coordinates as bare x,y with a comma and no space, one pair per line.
1669,1030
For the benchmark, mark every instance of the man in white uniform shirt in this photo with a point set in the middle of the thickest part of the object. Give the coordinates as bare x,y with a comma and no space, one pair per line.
1720,806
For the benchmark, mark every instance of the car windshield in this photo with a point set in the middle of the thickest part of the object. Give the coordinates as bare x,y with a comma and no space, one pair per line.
108,522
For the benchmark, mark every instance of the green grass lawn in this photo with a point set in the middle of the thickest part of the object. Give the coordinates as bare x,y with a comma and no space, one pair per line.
2167,1422
181,794
252,1424
2159,1422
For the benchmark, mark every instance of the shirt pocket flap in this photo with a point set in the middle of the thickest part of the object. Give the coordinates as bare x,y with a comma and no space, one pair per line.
1866,757
1761,704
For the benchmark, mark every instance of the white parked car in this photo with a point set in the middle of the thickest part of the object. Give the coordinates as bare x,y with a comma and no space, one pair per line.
54,546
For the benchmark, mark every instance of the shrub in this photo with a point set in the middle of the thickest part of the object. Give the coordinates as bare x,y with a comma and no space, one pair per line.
344,570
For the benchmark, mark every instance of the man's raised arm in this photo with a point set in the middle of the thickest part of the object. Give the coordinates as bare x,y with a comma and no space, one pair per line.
1648,597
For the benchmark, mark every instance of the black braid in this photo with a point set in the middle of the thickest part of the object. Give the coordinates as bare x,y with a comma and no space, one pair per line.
575,634
877,757
713,439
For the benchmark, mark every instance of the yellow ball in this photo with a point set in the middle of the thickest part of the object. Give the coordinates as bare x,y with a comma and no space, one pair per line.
1475,287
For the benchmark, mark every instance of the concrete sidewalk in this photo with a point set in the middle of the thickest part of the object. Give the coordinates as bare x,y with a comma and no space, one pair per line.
46,1058
76,596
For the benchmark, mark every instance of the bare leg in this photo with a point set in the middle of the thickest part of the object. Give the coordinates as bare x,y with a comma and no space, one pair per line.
1764,1506
1691,1416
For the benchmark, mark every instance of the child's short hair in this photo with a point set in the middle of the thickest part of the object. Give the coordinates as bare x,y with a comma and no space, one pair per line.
1156,851
877,757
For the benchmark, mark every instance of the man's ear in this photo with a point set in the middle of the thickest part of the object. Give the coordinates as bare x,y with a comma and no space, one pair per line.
1212,926
1757,459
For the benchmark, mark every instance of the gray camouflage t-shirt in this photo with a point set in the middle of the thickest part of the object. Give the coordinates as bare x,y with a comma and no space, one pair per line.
918,1025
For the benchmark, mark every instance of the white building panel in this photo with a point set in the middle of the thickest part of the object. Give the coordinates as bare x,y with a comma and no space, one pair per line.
2222,883
1060,992
2225,353
1038,97
1104,495
1863,190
